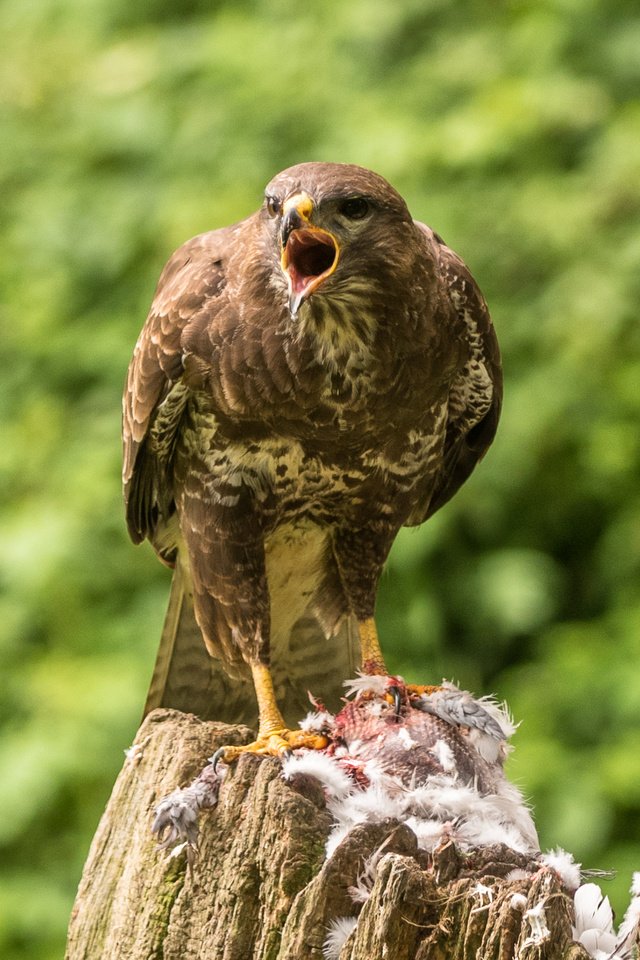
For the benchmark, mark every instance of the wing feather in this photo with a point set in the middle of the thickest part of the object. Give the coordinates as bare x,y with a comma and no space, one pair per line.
154,396
475,398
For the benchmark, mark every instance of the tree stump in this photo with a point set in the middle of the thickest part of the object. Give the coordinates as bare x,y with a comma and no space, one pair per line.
260,887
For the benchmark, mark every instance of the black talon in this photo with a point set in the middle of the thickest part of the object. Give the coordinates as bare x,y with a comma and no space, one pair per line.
215,759
397,700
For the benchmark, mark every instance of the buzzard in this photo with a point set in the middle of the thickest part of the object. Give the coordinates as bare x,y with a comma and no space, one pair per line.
307,382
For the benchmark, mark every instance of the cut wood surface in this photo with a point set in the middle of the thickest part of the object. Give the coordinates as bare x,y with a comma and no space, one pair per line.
260,888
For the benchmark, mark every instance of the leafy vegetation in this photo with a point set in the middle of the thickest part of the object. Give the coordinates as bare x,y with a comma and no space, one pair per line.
513,129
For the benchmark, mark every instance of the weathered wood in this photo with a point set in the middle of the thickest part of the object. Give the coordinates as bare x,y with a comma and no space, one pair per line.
261,889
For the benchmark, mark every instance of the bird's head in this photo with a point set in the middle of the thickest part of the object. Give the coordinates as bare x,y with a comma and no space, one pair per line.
335,228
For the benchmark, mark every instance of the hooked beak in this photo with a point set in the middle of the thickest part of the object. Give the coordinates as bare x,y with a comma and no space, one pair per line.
309,254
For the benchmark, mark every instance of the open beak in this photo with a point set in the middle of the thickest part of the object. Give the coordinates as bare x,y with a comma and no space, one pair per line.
309,254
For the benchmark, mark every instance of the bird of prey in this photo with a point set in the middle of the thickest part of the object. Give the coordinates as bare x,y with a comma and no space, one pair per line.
307,382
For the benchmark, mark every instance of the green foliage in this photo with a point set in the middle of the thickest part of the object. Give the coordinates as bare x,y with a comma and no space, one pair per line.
513,130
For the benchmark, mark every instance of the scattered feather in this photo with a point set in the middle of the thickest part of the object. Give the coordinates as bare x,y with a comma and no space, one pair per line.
325,769
428,833
483,832
518,901
593,921
335,838
484,895
370,806
443,798
443,753
365,683
489,748
447,799
598,943
537,922
361,891
629,933
178,849
317,721
135,752
564,865
340,930
405,738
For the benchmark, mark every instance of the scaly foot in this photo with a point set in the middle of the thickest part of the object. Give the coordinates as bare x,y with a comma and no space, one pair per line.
419,689
398,692
275,743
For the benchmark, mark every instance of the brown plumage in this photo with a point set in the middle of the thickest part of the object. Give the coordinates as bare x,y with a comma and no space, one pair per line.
307,382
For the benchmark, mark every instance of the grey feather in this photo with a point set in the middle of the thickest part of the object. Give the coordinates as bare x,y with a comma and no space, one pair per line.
460,709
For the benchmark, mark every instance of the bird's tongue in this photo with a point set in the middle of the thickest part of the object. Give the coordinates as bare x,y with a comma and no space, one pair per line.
308,256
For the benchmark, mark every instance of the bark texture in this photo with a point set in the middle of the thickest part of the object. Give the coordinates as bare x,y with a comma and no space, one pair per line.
261,889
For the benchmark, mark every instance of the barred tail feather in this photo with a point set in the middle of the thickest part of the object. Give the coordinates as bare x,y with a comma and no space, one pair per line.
187,678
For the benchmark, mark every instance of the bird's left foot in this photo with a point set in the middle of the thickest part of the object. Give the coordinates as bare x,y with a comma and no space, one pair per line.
421,689
398,692
275,743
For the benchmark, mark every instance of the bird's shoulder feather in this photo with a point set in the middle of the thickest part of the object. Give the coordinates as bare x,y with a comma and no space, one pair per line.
475,394
192,280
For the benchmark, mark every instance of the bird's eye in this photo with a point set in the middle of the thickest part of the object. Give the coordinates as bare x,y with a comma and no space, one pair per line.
273,206
355,208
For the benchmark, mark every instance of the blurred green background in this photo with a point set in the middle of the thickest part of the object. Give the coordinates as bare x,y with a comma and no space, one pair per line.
513,128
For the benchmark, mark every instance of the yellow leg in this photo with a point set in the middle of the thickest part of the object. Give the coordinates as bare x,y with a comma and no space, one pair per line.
274,738
271,720
370,653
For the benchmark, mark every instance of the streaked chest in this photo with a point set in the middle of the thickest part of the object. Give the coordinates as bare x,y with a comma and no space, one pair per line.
291,477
